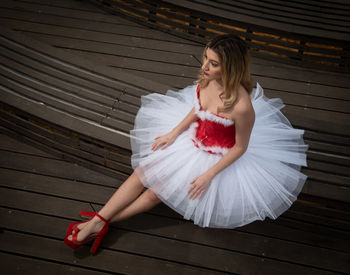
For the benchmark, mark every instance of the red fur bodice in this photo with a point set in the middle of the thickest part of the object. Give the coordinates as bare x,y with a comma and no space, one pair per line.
212,133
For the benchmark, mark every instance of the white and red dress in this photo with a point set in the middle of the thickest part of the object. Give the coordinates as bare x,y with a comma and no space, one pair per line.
264,181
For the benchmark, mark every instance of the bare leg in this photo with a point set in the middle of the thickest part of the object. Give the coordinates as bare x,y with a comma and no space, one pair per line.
124,203
125,194
146,201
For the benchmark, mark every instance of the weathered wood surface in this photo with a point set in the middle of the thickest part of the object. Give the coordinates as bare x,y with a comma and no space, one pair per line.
40,195
308,41
71,81
323,19
86,70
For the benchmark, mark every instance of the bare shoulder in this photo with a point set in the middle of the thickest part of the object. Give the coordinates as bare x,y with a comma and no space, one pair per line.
243,106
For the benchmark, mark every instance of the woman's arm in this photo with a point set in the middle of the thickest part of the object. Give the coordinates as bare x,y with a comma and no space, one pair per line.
244,122
172,135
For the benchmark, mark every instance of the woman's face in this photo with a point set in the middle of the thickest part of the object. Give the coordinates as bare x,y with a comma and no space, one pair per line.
211,67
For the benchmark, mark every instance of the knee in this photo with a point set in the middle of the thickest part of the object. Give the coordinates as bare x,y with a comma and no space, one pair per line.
137,181
152,196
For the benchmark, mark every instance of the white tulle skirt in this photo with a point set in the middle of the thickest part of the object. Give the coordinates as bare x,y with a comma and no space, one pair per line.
264,181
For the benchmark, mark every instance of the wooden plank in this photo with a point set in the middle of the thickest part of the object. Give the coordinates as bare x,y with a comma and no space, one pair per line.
39,29
131,241
223,238
124,116
326,190
310,101
318,120
330,147
136,30
131,63
200,235
56,185
302,74
320,209
303,87
73,76
16,199
125,242
320,137
294,73
54,97
333,159
37,180
53,168
297,9
309,6
275,14
241,17
26,179
74,5
114,163
82,188
120,50
330,168
66,120
174,82
197,30
54,250
299,100
19,166
341,225
35,130
20,86
69,63
65,9
19,265
296,97
100,101
10,144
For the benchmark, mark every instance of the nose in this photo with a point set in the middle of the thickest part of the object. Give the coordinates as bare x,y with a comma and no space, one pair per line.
205,66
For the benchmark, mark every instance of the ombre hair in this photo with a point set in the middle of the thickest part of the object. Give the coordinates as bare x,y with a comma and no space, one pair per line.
234,60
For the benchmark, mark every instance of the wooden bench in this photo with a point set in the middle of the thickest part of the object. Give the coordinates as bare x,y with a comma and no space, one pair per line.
86,97
66,55
285,33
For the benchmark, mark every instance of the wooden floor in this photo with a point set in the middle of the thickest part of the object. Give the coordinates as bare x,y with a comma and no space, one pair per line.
41,193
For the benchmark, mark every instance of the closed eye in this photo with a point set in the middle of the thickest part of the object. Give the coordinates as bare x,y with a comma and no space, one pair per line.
214,64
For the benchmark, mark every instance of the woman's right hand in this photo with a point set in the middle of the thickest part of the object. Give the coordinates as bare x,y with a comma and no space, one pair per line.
165,139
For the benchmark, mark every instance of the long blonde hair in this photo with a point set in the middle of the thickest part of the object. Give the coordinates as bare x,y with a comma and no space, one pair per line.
234,60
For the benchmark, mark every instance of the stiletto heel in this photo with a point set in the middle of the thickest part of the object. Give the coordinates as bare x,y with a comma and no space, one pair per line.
96,244
74,243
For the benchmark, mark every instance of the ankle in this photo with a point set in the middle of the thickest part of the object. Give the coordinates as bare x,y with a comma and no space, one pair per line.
96,221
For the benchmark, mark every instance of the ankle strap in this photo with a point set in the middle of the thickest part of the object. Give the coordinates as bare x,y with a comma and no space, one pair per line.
92,214
102,218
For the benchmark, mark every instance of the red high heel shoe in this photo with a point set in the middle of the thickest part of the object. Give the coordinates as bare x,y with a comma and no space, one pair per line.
75,244
73,227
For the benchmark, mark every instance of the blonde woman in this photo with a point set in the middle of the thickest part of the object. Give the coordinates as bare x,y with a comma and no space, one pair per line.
218,152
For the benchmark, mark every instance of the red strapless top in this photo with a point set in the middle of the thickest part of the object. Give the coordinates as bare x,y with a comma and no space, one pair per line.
212,133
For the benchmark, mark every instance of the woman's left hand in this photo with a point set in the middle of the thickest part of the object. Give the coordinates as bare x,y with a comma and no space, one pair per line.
199,186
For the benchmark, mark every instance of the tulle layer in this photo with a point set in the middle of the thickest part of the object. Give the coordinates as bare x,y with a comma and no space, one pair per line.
263,182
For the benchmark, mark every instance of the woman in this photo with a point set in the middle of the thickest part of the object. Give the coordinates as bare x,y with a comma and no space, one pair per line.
218,152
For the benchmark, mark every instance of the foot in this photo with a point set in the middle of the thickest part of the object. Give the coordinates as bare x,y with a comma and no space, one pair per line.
88,228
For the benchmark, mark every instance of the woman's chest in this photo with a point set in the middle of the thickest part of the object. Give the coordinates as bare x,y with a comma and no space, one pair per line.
210,100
